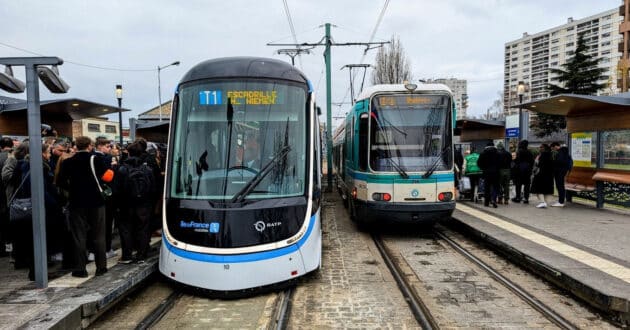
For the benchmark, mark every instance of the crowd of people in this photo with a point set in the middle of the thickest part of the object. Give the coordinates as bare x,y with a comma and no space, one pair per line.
90,189
495,167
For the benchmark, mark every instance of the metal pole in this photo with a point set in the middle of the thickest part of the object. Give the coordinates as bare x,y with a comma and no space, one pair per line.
159,93
328,110
521,127
120,121
37,179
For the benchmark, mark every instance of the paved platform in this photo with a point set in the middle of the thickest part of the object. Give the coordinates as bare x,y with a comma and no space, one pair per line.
580,248
68,302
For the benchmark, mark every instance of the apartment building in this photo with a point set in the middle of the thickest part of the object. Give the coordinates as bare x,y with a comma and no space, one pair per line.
529,58
459,87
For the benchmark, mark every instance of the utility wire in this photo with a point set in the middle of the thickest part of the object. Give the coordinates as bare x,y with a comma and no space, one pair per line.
378,23
288,13
79,64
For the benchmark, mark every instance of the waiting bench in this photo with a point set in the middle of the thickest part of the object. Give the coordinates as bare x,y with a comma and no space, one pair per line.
580,179
590,179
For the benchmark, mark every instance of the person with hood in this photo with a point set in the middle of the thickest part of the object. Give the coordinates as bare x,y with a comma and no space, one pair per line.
505,168
523,164
489,162
542,182
562,165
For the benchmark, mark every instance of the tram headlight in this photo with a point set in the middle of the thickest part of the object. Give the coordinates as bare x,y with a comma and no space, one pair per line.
382,197
354,193
445,196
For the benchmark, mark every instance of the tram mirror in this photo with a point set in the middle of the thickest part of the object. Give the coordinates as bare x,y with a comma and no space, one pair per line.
319,111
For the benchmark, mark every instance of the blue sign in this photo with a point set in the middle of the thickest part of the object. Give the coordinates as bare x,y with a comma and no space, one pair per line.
214,227
511,132
210,98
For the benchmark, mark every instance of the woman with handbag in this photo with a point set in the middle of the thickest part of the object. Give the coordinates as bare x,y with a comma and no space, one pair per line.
542,176
23,229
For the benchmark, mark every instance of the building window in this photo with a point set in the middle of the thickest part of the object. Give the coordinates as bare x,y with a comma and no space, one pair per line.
555,41
110,129
569,44
94,128
606,35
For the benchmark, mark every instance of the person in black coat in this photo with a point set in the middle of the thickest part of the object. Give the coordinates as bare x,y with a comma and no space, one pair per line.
562,164
505,167
489,163
523,165
542,182
87,206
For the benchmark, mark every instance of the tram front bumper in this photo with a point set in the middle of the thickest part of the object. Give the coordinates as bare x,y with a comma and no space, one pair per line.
404,212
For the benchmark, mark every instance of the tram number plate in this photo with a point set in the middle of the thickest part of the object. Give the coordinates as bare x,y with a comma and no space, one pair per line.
226,267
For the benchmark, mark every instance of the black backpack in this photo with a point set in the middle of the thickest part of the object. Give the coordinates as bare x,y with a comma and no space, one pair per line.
140,184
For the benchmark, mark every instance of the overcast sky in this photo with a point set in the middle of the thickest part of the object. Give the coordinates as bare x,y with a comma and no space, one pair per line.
442,39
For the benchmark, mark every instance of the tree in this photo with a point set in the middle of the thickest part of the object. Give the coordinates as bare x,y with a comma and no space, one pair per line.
580,75
391,65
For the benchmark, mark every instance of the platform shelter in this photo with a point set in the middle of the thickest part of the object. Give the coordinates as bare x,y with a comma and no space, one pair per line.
598,130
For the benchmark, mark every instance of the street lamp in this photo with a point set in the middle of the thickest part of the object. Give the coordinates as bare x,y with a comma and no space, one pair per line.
159,68
119,97
520,90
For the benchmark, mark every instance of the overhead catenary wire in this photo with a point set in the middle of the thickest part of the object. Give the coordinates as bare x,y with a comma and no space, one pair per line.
78,63
292,27
376,26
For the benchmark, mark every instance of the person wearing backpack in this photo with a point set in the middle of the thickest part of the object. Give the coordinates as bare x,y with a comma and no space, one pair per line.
137,189
562,165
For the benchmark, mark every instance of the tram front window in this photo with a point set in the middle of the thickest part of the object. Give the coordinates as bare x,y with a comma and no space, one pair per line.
246,138
410,132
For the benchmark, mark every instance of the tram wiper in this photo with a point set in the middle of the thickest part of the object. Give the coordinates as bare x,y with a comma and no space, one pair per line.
398,169
240,196
435,164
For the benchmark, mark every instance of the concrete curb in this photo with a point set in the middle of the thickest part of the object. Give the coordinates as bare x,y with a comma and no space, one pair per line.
77,307
617,307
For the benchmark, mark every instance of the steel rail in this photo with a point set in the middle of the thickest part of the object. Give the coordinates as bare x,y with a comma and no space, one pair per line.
282,310
545,310
419,310
156,314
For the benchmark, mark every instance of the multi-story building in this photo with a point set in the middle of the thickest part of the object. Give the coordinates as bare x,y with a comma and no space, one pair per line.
623,80
459,87
529,58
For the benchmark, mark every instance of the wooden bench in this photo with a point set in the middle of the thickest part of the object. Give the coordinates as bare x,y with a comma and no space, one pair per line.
612,176
580,179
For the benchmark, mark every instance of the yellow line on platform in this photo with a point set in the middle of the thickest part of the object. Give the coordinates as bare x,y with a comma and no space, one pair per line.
591,260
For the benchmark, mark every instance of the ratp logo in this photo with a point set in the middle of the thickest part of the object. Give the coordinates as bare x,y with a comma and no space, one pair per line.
415,193
259,226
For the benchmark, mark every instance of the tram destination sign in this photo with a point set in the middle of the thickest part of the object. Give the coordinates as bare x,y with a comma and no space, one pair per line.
238,97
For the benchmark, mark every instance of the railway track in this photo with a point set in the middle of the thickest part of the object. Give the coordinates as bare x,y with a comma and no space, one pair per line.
418,308
530,299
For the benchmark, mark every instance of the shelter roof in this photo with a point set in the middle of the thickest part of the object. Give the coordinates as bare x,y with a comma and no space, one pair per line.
76,108
571,105
154,113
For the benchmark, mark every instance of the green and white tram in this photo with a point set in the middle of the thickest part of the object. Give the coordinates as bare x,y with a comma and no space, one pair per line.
393,155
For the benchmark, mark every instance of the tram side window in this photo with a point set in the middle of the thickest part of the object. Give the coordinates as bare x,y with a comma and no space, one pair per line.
363,142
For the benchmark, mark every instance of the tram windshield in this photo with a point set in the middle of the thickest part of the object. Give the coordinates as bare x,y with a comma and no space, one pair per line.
410,132
237,140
